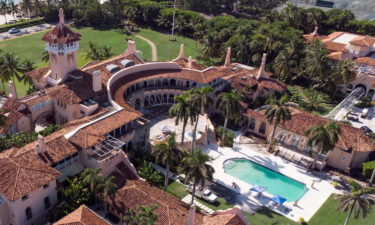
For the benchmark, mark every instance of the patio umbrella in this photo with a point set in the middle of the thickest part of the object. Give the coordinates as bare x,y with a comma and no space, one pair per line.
258,188
278,199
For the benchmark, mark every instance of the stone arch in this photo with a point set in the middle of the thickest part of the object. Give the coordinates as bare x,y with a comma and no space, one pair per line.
158,82
48,116
165,82
172,82
361,85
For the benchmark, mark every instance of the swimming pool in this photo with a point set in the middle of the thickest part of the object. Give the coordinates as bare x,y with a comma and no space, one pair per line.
255,174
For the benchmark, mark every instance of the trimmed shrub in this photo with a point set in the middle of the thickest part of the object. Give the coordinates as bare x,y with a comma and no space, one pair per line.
367,168
21,24
229,137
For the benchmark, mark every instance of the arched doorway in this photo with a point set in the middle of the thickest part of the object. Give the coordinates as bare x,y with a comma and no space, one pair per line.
137,103
262,128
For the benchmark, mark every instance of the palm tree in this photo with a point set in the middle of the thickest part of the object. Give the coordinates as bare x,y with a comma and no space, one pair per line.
196,169
4,9
183,111
93,179
315,63
343,73
201,100
45,56
2,76
323,138
105,52
277,112
27,66
13,8
141,215
93,52
230,106
108,188
312,99
357,200
11,68
167,153
26,7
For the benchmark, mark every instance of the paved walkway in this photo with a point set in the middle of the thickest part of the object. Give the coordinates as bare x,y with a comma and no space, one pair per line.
26,31
153,47
187,200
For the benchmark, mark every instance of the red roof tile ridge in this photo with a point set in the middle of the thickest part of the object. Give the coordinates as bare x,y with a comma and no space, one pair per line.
15,183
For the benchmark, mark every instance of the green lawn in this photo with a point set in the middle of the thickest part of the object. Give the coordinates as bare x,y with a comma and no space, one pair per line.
169,50
327,214
31,46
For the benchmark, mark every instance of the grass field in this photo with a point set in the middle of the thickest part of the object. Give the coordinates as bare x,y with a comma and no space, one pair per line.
31,46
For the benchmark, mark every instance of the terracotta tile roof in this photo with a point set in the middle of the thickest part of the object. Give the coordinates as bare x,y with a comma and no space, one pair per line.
366,60
185,62
23,174
232,216
363,41
76,91
82,216
129,174
38,74
333,35
11,104
116,61
336,55
241,81
94,133
334,46
61,34
11,119
351,138
170,210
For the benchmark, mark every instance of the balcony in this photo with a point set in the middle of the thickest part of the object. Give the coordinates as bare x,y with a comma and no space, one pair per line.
61,48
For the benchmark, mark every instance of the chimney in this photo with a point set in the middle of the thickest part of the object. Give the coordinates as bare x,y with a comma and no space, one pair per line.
315,33
190,63
191,215
12,90
182,52
132,49
61,16
261,72
97,80
41,144
227,58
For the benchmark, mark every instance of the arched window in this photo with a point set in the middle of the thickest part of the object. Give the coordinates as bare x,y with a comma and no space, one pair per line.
262,128
187,84
252,124
165,82
145,84
47,203
137,103
29,214
173,82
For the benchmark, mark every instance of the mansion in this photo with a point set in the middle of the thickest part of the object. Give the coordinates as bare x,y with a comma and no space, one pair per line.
357,48
102,110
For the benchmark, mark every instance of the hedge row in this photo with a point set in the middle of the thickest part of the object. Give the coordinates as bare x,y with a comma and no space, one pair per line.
21,24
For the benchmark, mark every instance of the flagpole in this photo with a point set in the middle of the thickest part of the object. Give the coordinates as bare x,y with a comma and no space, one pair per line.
173,23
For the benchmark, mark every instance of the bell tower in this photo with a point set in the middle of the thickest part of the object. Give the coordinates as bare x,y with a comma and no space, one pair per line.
61,44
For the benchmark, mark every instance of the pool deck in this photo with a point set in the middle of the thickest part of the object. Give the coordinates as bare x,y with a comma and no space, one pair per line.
306,207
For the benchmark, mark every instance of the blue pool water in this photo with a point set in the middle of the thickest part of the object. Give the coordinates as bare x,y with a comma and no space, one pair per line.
255,174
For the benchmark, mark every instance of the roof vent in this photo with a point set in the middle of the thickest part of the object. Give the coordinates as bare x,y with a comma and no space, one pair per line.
234,68
112,68
127,63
